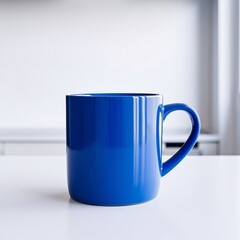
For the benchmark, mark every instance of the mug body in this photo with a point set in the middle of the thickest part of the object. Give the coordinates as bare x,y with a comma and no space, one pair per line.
114,147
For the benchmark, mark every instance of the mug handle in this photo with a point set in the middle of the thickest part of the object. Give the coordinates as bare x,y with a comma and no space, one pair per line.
168,165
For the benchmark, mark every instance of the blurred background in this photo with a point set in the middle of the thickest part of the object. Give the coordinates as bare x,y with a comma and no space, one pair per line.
186,50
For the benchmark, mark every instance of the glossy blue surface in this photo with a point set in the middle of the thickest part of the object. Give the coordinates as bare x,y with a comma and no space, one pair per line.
192,139
114,147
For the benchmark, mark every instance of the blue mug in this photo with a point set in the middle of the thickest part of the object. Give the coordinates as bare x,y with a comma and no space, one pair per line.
114,146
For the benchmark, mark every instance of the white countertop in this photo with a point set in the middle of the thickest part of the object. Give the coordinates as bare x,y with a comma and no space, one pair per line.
200,199
32,135
59,135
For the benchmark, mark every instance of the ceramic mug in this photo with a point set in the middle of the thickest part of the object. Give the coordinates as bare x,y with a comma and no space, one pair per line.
114,146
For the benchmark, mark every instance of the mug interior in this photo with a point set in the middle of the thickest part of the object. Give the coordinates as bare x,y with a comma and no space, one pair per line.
117,95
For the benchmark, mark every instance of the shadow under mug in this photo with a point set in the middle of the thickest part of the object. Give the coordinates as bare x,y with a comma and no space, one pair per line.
114,146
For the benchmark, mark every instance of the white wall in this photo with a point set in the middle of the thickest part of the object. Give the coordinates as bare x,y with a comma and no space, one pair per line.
228,82
51,48
237,65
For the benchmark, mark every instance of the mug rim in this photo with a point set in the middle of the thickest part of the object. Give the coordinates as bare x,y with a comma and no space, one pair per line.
115,95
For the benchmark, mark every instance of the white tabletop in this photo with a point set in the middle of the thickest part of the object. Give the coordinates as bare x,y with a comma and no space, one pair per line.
200,199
